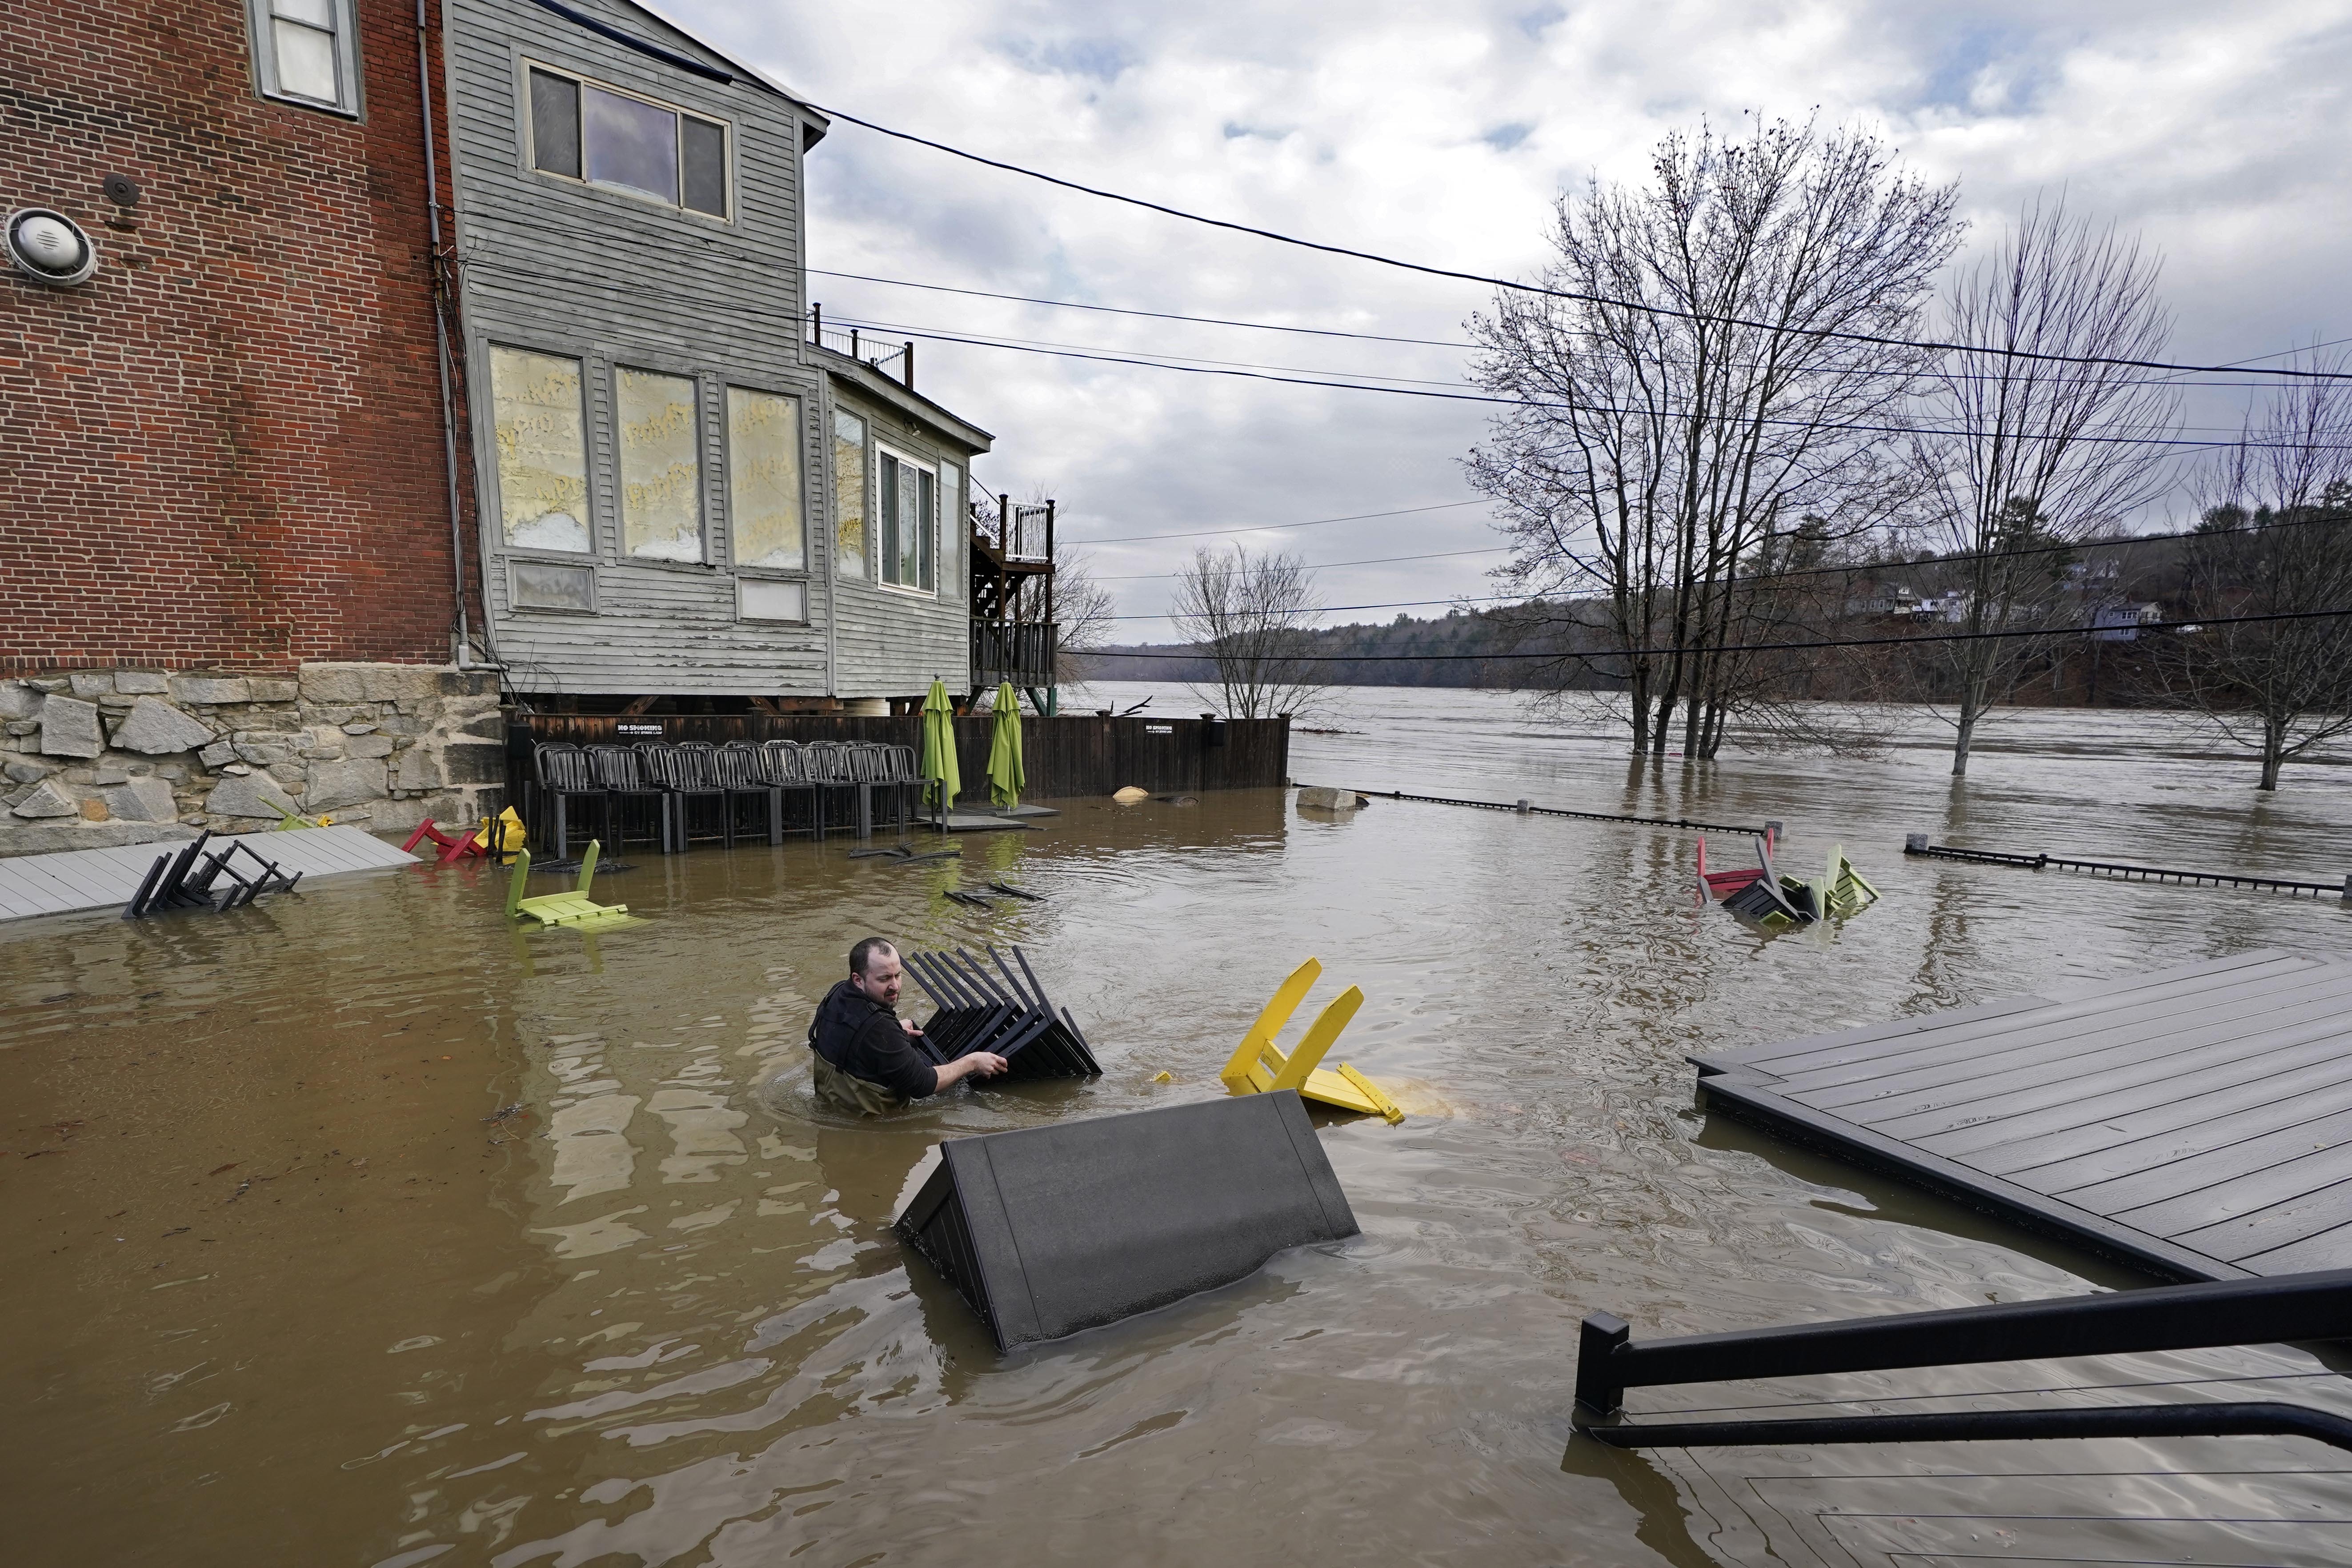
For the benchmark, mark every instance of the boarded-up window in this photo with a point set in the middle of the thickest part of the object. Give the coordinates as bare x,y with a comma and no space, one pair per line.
763,478
909,503
955,522
544,585
848,494
773,599
543,450
661,467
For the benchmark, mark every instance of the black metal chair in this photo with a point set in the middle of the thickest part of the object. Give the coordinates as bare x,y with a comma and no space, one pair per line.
785,768
562,775
736,765
622,772
888,772
830,770
686,775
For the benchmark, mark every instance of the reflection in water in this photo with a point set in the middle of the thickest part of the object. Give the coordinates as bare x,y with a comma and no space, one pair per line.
657,1315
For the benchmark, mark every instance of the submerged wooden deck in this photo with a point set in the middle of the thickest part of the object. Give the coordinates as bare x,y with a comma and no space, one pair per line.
74,879
2196,1122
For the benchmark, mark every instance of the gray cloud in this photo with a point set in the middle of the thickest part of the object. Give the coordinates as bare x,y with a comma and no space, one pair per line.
1442,134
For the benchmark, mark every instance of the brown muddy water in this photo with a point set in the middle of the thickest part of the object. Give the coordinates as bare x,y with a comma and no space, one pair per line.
278,1289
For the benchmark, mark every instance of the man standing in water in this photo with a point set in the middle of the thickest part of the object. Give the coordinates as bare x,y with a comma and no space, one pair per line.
864,1061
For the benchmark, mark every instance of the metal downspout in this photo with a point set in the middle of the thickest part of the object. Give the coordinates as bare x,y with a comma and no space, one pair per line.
436,263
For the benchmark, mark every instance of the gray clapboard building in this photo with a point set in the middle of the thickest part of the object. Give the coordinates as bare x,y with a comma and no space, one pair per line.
682,492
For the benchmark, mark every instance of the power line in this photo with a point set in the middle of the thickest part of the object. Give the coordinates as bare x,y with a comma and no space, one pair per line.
1315,566
1176,361
1336,609
1751,648
1572,295
1852,428
1154,315
1458,344
1270,527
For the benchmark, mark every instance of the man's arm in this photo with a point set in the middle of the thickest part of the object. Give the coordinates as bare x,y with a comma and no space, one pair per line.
980,1064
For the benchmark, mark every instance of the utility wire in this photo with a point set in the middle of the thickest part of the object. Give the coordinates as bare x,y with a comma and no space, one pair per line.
1154,315
1602,300
1386,382
1319,566
2248,362
1312,522
1748,648
1854,428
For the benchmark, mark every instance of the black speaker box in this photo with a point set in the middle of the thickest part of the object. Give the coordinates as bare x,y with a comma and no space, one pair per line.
1053,1229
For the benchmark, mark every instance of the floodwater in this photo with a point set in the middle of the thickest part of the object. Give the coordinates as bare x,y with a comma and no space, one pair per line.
282,1287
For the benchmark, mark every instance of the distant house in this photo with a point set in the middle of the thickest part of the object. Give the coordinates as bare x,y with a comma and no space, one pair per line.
2121,623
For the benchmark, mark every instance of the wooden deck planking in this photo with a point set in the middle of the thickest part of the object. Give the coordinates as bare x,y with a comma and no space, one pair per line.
1965,1066
1787,1057
2198,1119
76,879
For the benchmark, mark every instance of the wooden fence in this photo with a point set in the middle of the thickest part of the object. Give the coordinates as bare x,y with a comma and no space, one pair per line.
1071,755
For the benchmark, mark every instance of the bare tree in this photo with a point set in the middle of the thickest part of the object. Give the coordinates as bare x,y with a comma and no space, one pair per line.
1083,607
1249,614
2036,436
1721,356
2276,539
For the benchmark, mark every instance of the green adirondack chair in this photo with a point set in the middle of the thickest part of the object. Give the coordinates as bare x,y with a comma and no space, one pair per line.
571,909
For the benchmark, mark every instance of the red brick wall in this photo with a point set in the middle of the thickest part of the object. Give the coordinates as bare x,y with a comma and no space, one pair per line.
225,448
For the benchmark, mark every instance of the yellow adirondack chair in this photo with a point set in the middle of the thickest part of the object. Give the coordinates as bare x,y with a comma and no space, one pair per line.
1259,1067
571,909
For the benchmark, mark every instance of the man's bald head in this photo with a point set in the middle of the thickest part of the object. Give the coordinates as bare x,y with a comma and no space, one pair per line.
873,970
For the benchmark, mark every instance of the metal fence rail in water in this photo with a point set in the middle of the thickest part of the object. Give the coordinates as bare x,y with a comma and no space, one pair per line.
2316,1305
1916,844
1524,810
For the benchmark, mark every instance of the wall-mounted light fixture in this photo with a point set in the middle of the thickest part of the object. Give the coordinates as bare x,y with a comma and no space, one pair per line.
49,248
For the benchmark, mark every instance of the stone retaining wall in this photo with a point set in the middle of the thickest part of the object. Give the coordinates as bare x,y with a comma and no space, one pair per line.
94,758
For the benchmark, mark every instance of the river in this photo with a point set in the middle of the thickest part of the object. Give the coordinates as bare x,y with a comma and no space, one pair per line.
283,1286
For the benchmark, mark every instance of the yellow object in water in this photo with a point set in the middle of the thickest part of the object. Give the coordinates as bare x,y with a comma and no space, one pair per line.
1130,795
1259,1066
1163,1077
571,909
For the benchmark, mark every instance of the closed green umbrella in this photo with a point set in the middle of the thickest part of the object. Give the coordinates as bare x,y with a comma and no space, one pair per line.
1004,773
938,749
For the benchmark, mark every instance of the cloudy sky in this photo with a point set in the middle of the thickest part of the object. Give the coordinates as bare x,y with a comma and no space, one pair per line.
1443,133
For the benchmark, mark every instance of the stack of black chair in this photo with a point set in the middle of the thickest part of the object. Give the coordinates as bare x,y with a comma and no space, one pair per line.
189,880
1016,1021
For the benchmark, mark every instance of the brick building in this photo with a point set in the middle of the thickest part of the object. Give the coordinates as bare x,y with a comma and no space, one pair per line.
227,579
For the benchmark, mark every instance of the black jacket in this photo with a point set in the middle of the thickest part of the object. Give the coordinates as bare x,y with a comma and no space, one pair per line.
862,1037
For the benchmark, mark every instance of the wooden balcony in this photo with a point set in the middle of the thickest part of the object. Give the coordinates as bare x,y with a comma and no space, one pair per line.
1019,651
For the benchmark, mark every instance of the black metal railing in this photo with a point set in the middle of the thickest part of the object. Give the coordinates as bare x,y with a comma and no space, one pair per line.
1019,652
2316,1305
1916,844
891,357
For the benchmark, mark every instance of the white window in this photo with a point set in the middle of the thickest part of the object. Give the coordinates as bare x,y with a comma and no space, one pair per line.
582,130
542,433
909,511
660,443
307,52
